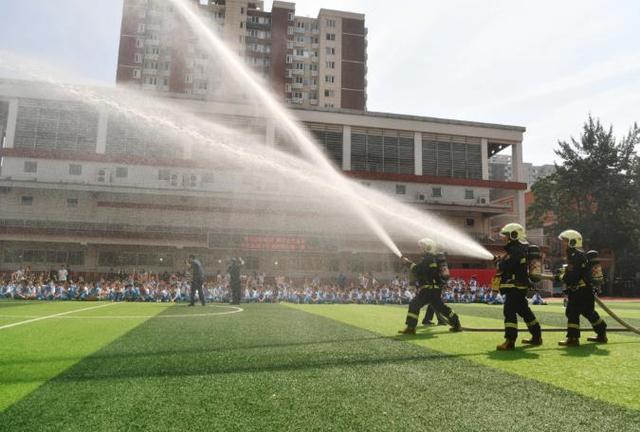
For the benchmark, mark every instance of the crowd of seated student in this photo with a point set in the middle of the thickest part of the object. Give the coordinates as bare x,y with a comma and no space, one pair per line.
257,288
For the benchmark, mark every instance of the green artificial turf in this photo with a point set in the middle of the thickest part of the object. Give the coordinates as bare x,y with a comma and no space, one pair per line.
276,367
607,372
33,353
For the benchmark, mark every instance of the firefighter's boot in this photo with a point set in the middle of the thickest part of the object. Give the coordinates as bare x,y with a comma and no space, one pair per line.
570,342
507,345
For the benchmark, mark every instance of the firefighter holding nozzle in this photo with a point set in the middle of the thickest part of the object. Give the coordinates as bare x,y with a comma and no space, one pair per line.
513,279
429,275
582,275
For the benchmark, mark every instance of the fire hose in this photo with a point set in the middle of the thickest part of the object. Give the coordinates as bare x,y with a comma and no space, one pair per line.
626,327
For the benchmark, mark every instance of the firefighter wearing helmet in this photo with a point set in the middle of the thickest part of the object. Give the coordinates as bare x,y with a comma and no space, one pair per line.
429,275
512,280
580,283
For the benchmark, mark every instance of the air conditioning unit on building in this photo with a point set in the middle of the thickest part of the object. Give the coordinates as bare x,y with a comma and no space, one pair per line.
482,200
103,176
421,197
190,180
174,180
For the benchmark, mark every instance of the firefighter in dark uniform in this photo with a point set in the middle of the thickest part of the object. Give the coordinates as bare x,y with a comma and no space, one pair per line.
234,280
580,291
428,277
512,280
428,317
197,279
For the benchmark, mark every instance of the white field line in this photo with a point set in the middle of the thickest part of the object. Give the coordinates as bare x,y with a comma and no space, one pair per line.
19,323
235,310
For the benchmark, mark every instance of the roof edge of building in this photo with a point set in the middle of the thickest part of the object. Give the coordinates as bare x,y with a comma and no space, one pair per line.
413,117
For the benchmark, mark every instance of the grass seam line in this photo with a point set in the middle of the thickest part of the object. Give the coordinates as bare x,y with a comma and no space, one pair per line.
52,316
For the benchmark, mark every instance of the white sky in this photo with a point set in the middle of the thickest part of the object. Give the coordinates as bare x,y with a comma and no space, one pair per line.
544,65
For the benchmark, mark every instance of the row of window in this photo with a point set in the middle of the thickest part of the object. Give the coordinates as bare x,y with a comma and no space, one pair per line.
436,192
119,259
31,167
17,256
27,200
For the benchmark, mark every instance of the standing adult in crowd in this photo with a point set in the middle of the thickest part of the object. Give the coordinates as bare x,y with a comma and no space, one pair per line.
197,279
234,280
63,273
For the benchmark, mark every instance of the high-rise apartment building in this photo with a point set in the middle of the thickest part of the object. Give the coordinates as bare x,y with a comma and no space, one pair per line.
310,62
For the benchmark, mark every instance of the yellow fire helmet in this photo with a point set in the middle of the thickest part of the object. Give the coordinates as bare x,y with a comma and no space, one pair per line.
573,237
427,245
514,231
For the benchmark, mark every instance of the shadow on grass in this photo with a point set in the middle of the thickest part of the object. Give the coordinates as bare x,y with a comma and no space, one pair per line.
585,350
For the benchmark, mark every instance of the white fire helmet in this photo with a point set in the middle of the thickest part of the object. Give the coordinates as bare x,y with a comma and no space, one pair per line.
573,237
427,245
514,231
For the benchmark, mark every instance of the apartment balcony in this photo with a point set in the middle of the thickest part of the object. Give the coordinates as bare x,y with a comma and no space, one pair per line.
313,101
313,87
315,31
299,57
297,72
315,46
297,101
299,30
297,85
314,59
314,73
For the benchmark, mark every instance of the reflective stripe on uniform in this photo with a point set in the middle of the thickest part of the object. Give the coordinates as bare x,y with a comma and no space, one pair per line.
452,314
428,286
532,323
598,322
412,315
573,326
433,265
511,325
508,285
523,261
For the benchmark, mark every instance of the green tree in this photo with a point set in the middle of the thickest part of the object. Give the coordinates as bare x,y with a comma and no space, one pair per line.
595,190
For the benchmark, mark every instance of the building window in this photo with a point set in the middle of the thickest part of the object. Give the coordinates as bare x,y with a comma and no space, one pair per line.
330,50
137,58
122,172
72,202
139,43
329,93
436,192
331,65
164,174
30,166
469,222
401,189
26,200
468,194
331,23
75,169
207,178
291,16
329,79
451,156
331,36
141,28
136,74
